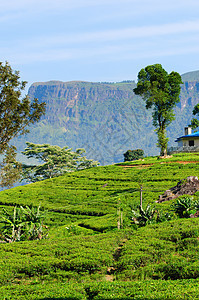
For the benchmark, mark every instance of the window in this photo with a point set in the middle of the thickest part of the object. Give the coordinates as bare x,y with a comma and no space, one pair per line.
191,143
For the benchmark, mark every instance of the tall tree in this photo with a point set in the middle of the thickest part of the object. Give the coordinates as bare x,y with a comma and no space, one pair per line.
53,161
160,91
16,112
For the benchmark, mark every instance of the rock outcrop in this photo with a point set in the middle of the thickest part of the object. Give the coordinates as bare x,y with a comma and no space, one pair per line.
188,186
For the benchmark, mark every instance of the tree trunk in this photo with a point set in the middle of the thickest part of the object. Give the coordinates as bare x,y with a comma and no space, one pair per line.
162,140
141,196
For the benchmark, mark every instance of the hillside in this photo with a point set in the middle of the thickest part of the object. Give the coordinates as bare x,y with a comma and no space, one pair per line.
86,255
190,76
106,119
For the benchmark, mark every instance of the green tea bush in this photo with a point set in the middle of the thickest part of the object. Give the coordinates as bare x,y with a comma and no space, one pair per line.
46,258
159,251
84,248
147,289
35,291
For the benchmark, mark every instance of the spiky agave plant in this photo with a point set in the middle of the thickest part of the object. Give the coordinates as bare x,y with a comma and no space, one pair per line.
34,222
143,217
13,225
183,206
25,223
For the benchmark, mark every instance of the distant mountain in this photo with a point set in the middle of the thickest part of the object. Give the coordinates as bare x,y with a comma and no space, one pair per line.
106,119
190,76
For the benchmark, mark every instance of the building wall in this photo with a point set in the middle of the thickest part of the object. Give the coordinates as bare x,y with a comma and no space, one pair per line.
185,142
183,146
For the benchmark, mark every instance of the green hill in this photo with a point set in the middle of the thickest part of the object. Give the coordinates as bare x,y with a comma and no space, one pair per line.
106,119
191,76
86,255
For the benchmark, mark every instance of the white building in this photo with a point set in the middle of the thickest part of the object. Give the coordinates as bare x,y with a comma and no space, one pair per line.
189,142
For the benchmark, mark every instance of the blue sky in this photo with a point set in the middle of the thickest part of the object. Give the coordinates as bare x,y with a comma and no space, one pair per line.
91,40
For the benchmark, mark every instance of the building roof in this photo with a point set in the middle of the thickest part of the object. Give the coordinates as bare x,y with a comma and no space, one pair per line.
192,135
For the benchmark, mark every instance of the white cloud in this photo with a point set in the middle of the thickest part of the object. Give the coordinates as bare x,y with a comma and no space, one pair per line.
13,5
127,43
131,42
105,53
115,35
140,32
135,6
40,4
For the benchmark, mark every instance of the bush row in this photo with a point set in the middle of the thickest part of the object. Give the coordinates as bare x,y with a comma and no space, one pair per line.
149,289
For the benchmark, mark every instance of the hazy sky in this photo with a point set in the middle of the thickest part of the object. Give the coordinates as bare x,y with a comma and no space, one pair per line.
98,40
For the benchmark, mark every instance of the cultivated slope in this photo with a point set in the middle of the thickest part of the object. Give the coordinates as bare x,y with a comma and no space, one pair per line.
85,255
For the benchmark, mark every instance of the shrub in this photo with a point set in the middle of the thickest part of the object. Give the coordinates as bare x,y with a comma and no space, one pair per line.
133,154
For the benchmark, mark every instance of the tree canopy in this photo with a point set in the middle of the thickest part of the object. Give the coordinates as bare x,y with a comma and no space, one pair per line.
130,155
160,91
195,122
16,113
53,161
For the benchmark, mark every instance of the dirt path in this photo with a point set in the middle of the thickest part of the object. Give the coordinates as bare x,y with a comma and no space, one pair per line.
185,162
163,162
110,276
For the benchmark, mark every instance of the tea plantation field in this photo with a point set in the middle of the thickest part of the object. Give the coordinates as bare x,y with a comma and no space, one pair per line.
93,249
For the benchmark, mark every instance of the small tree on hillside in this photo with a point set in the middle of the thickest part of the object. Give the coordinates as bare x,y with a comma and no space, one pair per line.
160,91
53,161
130,155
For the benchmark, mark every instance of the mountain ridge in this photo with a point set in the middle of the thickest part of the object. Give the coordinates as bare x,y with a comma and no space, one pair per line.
191,76
105,118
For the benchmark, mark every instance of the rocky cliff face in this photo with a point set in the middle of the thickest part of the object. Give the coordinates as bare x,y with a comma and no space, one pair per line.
106,119
189,94
78,101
